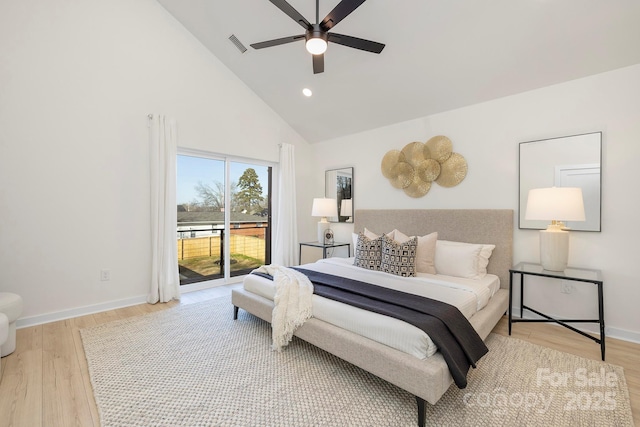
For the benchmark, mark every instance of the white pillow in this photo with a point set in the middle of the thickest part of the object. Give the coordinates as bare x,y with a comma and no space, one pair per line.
426,252
370,234
460,259
398,236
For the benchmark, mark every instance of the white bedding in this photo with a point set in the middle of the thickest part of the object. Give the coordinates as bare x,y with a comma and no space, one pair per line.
467,295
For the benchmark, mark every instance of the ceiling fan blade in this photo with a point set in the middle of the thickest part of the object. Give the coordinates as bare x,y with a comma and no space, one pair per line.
341,11
277,42
355,42
292,13
318,63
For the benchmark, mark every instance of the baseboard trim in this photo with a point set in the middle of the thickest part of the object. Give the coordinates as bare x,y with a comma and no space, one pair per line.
611,332
40,319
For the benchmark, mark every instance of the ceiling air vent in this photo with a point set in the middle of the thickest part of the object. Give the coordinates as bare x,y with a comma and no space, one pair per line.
237,43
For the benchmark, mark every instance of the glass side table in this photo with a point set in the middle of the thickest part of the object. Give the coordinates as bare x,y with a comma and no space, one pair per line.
324,247
570,273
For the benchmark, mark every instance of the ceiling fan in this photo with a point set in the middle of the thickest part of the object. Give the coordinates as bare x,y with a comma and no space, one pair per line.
317,35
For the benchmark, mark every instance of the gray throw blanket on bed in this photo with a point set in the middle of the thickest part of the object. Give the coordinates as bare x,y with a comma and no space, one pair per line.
459,343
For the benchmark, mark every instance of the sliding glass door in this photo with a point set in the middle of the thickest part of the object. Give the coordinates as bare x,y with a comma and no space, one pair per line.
224,216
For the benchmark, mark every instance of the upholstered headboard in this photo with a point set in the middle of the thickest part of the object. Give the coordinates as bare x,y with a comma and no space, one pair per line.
489,226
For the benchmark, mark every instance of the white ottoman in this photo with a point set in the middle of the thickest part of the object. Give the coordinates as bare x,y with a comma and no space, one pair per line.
11,306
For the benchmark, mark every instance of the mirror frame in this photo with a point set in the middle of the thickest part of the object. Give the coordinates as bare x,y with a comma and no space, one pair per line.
338,184
542,164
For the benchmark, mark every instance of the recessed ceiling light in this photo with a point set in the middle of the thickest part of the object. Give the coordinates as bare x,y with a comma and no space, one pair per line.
307,92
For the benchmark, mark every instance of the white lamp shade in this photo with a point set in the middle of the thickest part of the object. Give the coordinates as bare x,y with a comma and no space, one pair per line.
555,204
324,207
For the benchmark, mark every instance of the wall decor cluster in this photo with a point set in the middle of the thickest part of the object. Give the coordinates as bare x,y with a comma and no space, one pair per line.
418,164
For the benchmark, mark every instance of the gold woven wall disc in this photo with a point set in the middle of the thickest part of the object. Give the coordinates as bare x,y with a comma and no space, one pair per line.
418,165
452,171
413,153
426,152
402,175
428,170
440,148
418,188
389,161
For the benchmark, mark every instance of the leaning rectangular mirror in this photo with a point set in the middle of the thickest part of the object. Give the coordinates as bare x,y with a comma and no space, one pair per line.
570,161
338,184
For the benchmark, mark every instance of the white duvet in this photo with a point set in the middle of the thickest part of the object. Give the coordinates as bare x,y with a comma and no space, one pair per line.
467,295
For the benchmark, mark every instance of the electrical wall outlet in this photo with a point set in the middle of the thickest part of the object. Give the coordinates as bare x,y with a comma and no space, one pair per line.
105,275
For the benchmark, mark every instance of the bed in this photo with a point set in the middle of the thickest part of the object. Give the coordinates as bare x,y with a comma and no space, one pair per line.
426,378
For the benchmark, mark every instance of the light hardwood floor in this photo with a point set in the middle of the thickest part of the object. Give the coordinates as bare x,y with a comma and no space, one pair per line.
45,382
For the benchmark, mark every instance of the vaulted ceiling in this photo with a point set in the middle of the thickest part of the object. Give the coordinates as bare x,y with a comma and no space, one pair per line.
439,54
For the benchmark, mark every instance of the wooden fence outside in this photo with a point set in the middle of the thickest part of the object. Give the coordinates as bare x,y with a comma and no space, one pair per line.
251,246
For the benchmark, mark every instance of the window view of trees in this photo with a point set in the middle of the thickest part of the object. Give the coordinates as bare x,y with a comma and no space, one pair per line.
245,196
212,198
249,196
201,220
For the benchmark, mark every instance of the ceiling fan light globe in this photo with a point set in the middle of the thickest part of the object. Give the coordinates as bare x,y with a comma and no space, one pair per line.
316,46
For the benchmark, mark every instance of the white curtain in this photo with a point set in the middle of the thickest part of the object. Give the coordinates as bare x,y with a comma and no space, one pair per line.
286,239
165,282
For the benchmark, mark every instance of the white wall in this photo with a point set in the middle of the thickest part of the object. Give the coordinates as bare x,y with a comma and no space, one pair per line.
77,80
487,135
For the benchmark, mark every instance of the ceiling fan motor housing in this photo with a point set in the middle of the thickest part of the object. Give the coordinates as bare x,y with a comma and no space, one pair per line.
316,33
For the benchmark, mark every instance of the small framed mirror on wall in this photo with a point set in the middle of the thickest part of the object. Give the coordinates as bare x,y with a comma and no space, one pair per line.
569,161
338,184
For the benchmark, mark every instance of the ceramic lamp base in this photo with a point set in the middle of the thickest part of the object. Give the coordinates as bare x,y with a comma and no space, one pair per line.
554,249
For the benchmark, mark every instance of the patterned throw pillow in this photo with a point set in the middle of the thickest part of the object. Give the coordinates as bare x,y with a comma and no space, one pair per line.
399,258
368,252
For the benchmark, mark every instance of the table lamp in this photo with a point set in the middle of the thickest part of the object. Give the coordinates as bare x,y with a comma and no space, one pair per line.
324,207
555,204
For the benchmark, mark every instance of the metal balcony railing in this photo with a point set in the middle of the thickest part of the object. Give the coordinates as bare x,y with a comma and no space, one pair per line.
201,254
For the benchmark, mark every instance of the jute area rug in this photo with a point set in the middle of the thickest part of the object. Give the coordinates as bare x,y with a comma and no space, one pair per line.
193,365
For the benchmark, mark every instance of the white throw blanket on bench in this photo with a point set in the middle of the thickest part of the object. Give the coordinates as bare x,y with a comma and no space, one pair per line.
292,302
